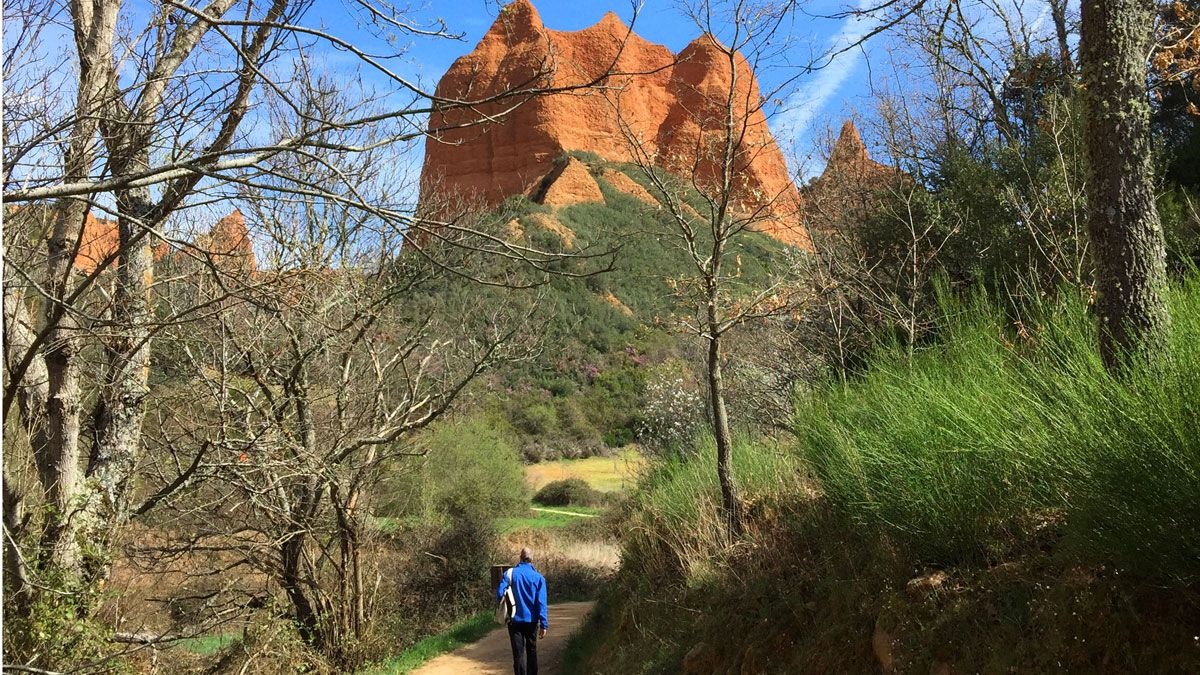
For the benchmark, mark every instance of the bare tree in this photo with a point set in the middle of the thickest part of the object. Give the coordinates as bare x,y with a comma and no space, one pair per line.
310,388
151,118
309,374
710,206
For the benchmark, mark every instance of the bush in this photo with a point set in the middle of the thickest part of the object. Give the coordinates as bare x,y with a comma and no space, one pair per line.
673,413
570,492
1009,433
613,403
47,630
536,420
468,463
467,548
618,438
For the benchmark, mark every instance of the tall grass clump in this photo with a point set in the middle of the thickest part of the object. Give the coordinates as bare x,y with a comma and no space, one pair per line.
1008,433
673,529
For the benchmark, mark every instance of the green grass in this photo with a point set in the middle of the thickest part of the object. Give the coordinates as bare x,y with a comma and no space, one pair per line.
206,645
581,510
542,520
674,516
1060,501
462,633
1000,435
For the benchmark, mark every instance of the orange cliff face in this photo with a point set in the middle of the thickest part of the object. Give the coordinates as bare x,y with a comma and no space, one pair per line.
98,241
670,103
227,242
850,187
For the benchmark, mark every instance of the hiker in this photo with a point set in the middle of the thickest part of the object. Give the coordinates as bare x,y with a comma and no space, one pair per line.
529,595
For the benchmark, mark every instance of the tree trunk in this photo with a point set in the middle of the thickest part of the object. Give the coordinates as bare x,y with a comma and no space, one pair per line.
120,408
1126,235
292,579
58,465
59,462
15,578
731,502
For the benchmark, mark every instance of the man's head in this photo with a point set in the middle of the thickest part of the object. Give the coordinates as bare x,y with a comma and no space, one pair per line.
526,555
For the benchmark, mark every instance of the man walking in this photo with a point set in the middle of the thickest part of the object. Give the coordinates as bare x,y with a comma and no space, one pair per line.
529,595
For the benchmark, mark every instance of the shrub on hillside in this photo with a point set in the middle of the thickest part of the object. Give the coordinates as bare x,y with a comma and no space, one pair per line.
673,413
570,492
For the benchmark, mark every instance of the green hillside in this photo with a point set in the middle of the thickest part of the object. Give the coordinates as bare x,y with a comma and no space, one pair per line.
606,332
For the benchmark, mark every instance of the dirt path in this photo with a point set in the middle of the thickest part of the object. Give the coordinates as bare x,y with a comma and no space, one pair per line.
563,513
493,656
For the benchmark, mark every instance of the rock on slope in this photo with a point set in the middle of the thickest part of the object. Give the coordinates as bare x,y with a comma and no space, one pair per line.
668,101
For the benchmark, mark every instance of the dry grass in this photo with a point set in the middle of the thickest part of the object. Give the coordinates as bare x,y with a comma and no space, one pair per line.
616,473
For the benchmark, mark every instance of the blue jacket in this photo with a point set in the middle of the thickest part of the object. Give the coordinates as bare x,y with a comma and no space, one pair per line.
529,590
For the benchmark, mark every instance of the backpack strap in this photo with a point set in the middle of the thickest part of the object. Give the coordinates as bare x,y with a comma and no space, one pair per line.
508,573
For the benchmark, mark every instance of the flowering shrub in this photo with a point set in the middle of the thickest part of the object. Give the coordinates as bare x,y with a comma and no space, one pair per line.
673,412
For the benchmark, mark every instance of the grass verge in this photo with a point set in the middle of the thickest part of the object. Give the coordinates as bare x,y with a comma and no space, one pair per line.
1007,429
462,633
206,645
998,503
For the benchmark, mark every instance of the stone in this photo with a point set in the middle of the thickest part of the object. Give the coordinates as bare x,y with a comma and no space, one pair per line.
623,183
228,242
99,240
881,643
849,188
570,184
668,102
551,224
922,587
616,302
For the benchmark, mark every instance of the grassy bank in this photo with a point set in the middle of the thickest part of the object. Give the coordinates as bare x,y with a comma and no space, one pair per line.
999,501
462,633
1007,427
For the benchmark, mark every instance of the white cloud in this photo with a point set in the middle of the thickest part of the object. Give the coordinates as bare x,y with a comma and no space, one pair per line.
801,108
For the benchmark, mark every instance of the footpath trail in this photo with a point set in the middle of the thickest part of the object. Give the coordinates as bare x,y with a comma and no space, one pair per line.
492,654
564,513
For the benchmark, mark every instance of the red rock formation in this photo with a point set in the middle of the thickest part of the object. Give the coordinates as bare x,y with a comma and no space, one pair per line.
620,181
849,189
669,102
850,161
549,223
99,240
228,242
570,184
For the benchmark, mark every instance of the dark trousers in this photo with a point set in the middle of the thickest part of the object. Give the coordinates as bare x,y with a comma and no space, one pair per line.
523,637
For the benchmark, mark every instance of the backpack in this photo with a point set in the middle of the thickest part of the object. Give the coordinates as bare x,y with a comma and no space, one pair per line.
507,605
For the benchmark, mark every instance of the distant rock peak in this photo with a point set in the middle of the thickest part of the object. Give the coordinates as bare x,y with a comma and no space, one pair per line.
228,240
849,146
670,102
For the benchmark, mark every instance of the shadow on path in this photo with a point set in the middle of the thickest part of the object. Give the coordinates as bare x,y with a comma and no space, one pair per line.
493,656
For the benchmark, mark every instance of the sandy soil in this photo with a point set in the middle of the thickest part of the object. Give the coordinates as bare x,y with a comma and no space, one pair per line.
492,654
